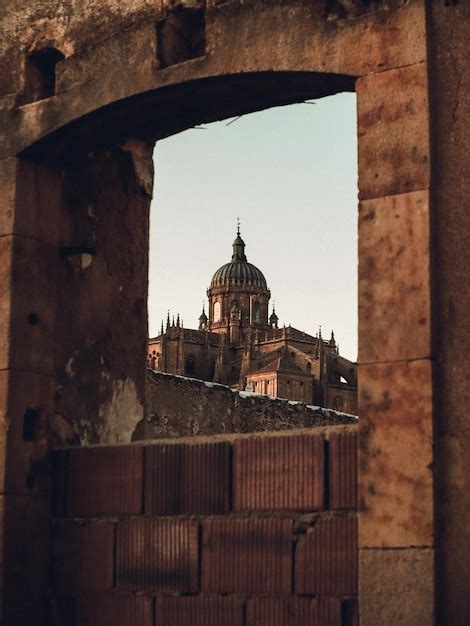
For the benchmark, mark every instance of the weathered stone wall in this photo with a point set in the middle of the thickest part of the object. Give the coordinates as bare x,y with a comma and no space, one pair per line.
183,407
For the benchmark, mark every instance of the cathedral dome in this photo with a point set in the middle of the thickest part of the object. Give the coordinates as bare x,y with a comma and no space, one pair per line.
238,271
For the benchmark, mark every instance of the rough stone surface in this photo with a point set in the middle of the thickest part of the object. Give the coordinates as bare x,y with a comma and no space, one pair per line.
395,455
394,276
450,106
409,574
393,126
183,407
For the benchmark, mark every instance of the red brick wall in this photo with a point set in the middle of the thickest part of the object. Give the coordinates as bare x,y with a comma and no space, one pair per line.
247,531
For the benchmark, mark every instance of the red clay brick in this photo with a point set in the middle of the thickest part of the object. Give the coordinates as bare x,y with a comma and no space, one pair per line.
343,470
83,556
292,611
114,609
326,558
105,481
187,479
279,473
161,555
199,611
247,555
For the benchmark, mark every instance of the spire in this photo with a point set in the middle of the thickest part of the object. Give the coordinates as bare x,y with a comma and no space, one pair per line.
332,340
203,318
178,320
273,318
319,332
161,329
173,321
238,246
168,319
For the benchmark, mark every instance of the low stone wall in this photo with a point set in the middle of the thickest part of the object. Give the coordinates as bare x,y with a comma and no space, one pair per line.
183,407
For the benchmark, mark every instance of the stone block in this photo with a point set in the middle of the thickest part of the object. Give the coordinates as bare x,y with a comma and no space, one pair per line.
83,557
158,555
187,479
247,555
395,454
326,558
30,202
394,278
285,472
396,587
293,611
199,611
105,481
29,276
113,608
107,63
393,132
342,468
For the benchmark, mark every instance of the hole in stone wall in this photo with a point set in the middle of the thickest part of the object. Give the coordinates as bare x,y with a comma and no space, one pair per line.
181,36
33,319
40,74
31,421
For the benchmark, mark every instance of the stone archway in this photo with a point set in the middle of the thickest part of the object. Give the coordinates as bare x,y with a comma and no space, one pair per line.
76,167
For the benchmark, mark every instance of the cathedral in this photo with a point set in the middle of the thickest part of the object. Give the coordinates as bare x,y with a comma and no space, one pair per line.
239,344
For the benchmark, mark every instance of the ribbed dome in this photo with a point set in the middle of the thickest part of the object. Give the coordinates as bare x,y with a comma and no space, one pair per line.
238,271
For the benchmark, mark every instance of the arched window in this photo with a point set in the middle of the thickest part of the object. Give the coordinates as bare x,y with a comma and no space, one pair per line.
292,356
309,367
255,312
217,312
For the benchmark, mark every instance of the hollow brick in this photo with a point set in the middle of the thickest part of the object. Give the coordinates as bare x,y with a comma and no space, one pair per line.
247,555
83,556
292,611
199,611
113,609
326,558
276,473
343,470
187,479
105,481
160,555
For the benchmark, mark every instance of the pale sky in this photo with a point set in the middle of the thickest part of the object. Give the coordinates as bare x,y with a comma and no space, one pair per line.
290,174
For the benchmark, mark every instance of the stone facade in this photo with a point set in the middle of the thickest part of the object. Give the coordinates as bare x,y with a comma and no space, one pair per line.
239,345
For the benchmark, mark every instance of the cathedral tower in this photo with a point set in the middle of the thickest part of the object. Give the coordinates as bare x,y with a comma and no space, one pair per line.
238,296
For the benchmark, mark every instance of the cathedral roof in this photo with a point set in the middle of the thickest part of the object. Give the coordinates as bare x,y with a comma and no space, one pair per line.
280,363
238,271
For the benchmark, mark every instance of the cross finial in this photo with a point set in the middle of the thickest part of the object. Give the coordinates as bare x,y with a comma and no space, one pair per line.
238,225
